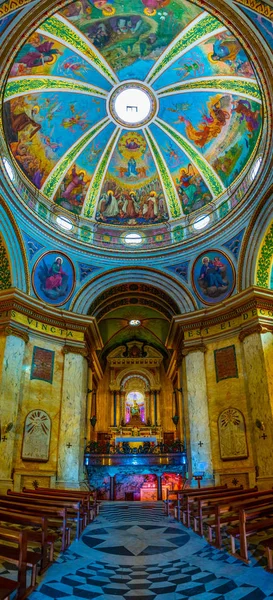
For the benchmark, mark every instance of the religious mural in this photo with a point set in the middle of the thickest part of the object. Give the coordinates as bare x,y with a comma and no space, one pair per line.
36,440
60,122
232,434
53,278
132,191
213,276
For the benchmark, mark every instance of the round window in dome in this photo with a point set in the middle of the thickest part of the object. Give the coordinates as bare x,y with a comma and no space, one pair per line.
201,222
256,167
133,239
64,223
8,168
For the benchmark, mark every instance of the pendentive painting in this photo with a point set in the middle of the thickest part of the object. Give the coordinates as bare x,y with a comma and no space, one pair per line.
213,276
53,278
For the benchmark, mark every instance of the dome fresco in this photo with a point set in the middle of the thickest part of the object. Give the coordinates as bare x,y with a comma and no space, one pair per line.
76,97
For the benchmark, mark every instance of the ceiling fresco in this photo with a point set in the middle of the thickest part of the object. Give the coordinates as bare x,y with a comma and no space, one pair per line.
64,132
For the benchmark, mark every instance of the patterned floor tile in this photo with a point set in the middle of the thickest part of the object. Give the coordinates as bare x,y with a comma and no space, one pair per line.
148,558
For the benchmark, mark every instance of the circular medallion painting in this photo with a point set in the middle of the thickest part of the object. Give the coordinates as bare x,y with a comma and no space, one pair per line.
213,276
53,278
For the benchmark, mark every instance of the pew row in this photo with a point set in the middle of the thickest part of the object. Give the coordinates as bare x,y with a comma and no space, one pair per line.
21,557
75,510
91,504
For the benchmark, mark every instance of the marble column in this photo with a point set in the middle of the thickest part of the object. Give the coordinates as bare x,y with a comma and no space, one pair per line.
122,405
198,413
159,487
72,426
259,403
152,414
147,406
115,408
89,403
118,408
112,487
155,407
11,373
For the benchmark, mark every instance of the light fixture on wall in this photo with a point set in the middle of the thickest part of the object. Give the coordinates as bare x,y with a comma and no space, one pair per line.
93,421
175,420
4,430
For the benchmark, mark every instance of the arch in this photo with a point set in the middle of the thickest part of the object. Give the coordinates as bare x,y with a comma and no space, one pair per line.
128,377
257,251
10,232
138,372
178,292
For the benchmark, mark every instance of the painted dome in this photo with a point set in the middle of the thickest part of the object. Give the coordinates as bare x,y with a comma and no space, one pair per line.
132,113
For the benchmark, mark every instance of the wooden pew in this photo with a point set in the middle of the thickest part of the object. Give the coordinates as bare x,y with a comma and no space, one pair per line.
251,520
7,587
177,496
74,509
202,505
57,517
268,544
197,491
20,557
91,506
189,500
226,512
42,537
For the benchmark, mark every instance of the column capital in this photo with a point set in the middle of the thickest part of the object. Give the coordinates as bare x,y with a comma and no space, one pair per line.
196,348
9,330
257,328
75,350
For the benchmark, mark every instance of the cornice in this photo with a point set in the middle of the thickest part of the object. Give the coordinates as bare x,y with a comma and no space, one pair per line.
9,330
251,299
35,310
257,328
196,348
69,349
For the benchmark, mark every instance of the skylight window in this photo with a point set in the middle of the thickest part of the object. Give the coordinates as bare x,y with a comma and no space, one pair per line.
132,105
64,223
256,167
8,169
133,239
201,222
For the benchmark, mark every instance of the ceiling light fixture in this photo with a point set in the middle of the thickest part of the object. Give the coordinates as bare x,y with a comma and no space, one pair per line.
135,322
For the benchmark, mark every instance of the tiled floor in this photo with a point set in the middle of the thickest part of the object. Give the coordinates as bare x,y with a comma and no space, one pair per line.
133,551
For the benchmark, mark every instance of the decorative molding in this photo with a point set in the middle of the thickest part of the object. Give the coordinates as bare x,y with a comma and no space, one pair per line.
5,270
75,350
18,235
262,8
258,328
11,6
234,244
9,330
265,260
197,348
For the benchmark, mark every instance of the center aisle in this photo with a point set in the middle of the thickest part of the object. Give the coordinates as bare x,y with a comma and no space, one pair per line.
133,551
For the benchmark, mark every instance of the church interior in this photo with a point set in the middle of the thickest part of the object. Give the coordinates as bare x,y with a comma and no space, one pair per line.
136,299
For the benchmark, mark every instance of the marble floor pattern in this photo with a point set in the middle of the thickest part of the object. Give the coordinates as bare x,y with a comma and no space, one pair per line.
133,551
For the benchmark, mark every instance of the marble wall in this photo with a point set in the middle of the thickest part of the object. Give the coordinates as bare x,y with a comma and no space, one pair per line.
230,392
38,394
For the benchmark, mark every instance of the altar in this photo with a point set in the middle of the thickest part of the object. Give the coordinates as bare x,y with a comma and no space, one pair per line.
136,438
